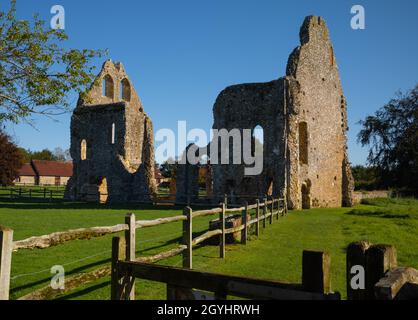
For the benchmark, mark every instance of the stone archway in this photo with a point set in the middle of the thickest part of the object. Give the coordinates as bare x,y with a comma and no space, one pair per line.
102,190
306,195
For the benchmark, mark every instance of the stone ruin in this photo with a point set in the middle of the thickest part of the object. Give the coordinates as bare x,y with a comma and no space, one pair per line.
112,142
304,121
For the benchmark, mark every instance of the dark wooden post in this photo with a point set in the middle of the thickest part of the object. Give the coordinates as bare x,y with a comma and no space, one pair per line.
222,236
118,254
226,200
271,210
278,207
316,275
130,238
265,212
257,212
6,249
244,222
356,263
379,259
188,238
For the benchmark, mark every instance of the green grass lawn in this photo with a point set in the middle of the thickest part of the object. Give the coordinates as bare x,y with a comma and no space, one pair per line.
277,254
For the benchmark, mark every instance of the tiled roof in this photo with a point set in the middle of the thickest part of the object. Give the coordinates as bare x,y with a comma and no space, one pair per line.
53,168
27,170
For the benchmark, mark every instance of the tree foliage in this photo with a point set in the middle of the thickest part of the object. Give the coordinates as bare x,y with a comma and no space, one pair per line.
11,160
392,135
36,73
58,154
367,178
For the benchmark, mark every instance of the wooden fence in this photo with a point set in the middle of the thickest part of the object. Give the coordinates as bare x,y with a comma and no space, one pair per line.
271,208
183,282
383,279
48,194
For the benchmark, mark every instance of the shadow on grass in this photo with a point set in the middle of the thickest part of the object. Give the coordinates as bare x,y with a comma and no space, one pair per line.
48,279
377,214
80,293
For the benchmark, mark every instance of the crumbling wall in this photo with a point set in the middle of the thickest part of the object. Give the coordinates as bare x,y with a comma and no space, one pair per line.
110,127
322,107
310,168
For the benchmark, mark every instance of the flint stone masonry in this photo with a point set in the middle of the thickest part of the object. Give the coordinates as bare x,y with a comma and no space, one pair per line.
304,121
112,143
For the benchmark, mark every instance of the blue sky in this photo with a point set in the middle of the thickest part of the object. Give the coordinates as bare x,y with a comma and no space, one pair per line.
181,54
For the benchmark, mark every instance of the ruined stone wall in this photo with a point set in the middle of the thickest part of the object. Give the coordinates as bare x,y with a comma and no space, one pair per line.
304,117
111,142
321,107
247,106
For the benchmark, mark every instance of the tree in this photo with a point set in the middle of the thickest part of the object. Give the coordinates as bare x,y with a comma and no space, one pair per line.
392,135
59,154
366,178
36,74
11,160
168,168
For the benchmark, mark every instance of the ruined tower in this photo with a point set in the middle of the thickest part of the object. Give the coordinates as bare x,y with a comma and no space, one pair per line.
111,142
304,120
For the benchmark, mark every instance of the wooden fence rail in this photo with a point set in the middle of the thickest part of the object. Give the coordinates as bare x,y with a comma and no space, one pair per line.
182,283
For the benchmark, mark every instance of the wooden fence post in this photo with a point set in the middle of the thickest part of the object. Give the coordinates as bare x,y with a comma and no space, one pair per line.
379,260
222,236
356,257
271,210
316,275
278,207
188,238
244,222
257,224
265,213
130,239
6,249
118,254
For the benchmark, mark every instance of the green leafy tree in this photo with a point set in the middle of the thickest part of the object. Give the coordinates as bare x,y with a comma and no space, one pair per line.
366,178
36,73
168,168
392,135
11,160
44,154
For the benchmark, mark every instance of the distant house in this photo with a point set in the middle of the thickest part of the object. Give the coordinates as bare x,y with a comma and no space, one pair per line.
41,172
26,175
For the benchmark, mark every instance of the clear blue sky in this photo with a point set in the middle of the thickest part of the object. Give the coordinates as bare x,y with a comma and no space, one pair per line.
181,54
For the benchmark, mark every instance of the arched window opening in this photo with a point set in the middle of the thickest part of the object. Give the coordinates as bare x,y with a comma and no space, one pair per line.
102,189
306,195
112,141
257,141
303,143
83,152
108,87
125,90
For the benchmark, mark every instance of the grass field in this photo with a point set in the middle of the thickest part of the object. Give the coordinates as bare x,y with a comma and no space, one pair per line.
277,254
